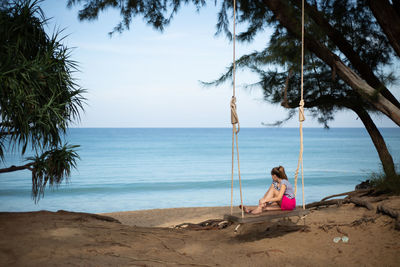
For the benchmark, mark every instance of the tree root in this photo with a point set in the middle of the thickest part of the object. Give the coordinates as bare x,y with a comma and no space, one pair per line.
337,202
392,213
355,198
361,202
360,221
213,224
378,199
351,198
359,193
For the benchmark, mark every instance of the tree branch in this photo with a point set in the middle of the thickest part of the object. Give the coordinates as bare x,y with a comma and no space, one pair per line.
320,101
281,11
338,39
14,168
389,20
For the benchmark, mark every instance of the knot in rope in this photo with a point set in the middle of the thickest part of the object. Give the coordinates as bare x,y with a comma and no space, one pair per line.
301,111
234,115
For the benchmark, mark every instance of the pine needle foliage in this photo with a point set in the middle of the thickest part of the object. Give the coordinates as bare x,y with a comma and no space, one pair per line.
325,93
39,97
156,13
343,34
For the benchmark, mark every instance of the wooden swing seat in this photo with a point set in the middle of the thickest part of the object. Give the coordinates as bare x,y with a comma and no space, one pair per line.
265,216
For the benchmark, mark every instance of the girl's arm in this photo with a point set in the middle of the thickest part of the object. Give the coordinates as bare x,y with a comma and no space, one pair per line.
279,197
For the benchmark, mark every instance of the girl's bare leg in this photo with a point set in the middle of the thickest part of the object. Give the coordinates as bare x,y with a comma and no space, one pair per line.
273,206
270,194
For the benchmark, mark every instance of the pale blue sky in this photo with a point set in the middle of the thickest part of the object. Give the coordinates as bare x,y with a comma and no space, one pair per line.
144,78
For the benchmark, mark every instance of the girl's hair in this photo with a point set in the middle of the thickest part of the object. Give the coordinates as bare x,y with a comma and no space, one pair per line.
280,172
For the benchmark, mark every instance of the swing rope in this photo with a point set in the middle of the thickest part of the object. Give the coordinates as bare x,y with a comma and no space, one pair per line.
301,113
235,119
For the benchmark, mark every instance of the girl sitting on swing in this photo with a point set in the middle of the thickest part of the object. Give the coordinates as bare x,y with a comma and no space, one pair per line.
280,195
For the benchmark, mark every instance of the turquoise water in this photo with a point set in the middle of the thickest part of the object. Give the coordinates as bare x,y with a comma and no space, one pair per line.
145,168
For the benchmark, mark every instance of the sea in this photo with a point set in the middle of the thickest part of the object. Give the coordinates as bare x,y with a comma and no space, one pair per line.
124,169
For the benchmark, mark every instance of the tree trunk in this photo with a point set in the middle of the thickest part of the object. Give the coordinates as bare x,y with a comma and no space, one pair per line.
396,6
340,41
377,139
389,20
366,91
281,11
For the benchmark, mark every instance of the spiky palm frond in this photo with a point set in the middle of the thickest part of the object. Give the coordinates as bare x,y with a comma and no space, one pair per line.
51,168
38,96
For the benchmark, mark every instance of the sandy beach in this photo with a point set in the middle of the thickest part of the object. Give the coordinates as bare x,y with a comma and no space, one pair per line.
147,238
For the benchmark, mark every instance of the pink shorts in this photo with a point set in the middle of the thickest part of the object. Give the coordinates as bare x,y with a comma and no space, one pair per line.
287,203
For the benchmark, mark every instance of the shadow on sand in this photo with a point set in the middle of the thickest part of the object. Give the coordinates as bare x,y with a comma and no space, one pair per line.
254,232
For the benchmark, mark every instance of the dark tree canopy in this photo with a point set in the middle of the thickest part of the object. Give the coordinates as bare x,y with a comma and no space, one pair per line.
39,97
324,91
154,12
358,41
350,45
330,34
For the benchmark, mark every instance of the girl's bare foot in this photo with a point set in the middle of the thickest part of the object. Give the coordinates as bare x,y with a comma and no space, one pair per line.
257,210
245,209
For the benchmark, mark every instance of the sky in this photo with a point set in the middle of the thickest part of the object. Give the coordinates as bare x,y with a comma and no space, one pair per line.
145,78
